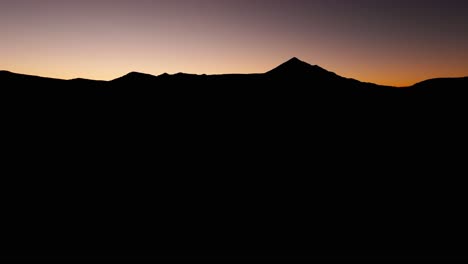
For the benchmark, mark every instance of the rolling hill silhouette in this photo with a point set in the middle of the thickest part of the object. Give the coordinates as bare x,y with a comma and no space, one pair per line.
295,163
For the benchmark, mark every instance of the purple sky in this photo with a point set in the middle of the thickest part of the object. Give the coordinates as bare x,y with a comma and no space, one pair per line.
389,42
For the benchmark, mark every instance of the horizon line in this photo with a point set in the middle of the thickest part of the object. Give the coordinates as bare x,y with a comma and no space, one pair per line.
218,74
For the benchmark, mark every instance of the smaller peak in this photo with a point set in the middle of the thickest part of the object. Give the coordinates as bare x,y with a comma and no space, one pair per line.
182,74
84,80
134,73
135,76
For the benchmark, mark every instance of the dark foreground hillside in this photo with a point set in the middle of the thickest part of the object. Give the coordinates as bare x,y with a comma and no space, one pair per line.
294,164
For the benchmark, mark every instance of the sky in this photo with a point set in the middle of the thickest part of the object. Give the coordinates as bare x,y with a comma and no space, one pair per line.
398,42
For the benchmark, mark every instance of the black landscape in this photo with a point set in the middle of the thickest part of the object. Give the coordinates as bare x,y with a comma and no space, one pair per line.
297,163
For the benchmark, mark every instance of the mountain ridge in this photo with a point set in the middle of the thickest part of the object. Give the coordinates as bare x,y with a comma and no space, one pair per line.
292,68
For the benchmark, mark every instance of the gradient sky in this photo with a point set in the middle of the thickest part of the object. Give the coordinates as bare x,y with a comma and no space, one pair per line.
397,42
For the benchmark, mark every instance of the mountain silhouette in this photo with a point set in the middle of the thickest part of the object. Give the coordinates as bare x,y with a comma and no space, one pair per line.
297,163
294,71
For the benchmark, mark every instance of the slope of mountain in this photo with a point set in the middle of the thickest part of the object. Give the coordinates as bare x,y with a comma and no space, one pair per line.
8,78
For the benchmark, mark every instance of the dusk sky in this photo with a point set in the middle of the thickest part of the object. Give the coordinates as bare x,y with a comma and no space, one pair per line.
397,42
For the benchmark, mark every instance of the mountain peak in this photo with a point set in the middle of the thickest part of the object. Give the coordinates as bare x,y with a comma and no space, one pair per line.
295,66
294,60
